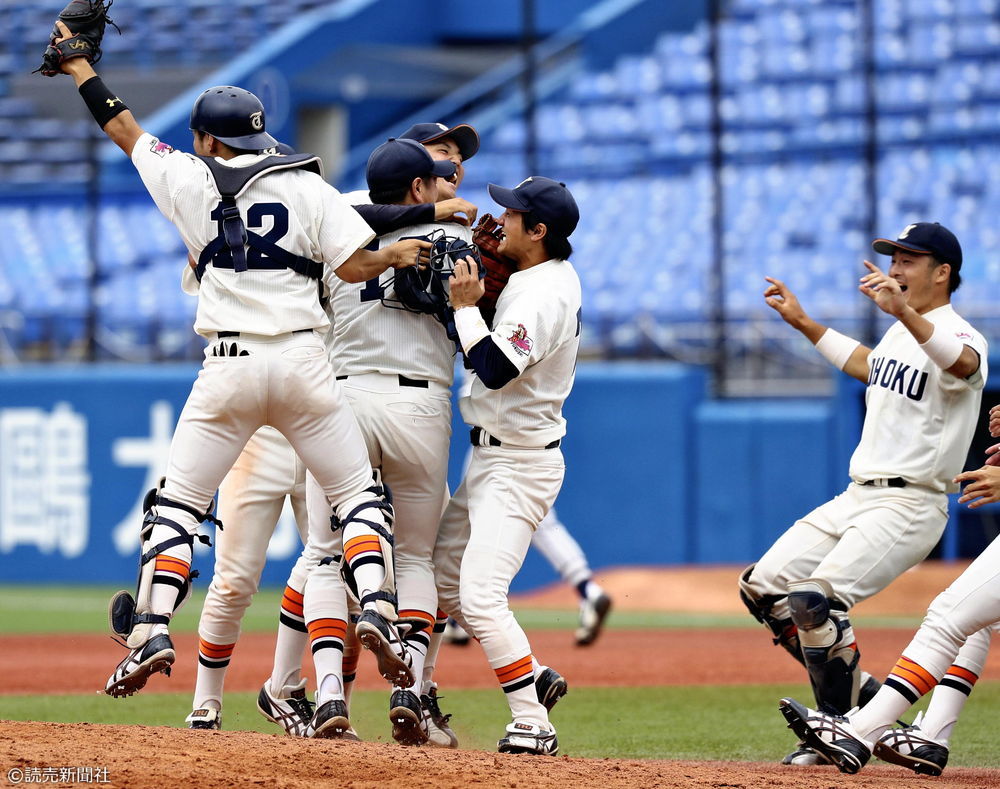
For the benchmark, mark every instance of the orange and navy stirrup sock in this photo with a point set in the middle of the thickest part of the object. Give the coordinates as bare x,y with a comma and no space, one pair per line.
169,571
291,614
327,633
214,655
351,658
910,679
440,621
960,679
516,675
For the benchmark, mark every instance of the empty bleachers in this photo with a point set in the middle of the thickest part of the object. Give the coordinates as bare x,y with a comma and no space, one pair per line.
633,142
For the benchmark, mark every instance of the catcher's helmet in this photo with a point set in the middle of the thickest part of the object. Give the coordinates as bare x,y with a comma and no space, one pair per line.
233,116
423,289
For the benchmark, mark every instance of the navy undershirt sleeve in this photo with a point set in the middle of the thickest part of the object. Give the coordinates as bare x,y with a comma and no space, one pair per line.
386,218
492,366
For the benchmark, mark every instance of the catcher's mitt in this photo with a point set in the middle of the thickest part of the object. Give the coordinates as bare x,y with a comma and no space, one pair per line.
486,236
86,20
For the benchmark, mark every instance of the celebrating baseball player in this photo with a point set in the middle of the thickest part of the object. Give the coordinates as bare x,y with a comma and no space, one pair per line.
390,348
524,371
925,379
265,364
946,654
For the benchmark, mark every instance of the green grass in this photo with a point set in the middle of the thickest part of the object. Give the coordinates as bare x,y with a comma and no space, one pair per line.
715,723
83,609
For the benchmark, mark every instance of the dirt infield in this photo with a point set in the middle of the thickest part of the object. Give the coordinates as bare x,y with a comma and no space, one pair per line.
148,758
142,757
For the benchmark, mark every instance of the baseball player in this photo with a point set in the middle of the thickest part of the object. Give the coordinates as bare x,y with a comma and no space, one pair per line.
925,379
286,673
949,648
396,368
524,371
250,501
265,363
251,498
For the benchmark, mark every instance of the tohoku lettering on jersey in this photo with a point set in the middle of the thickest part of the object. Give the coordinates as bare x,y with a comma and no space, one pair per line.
898,377
920,419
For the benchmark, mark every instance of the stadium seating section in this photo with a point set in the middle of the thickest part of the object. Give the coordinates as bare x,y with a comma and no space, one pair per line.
633,142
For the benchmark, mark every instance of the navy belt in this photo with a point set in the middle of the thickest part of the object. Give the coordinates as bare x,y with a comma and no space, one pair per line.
224,334
477,435
888,482
403,381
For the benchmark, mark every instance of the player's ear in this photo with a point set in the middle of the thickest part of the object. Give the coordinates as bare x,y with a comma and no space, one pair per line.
538,232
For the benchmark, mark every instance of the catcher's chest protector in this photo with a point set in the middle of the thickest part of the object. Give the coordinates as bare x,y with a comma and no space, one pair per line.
228,249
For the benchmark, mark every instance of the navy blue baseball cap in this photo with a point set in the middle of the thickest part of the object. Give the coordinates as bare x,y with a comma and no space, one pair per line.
233,116
465,137
927,238
548,200
397,162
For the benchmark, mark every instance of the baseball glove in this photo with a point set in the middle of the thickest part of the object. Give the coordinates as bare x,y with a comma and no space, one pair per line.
486,236
86,20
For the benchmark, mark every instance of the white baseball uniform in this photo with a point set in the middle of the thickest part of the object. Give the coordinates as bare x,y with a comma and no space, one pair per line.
251,499
396,369
275,370
917,429
516,469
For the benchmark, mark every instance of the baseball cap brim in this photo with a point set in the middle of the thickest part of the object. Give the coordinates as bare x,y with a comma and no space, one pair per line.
506,198
250,142
443,168
465,137
884,246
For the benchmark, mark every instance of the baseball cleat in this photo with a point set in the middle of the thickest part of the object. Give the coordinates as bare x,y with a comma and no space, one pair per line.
377,635
130,676
439,732
291,710
804,756
550,686
455,634
909,747
831,735
204,718
330,722
592,616
528,738
407,718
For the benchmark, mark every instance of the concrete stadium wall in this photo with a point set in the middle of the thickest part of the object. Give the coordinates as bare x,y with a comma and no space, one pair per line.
656,472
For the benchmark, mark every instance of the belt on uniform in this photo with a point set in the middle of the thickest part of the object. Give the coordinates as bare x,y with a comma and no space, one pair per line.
886,482
481,438
224,334
403,381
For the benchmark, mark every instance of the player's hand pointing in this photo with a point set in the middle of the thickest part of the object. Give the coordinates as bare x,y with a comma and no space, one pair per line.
983,486
464,286
885,291
779,298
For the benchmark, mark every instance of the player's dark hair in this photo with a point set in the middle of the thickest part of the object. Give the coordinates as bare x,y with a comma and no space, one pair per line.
392,196
556,247
236,151
954,278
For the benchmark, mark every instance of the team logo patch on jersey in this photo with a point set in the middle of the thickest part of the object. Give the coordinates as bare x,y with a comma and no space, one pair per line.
520,340
963,335
160,148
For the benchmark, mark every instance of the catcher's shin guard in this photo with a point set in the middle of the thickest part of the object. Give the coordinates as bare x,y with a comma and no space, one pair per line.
372,510
131,619
784,631
828,646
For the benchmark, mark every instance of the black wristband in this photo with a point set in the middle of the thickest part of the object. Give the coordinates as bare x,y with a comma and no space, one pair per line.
102,103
